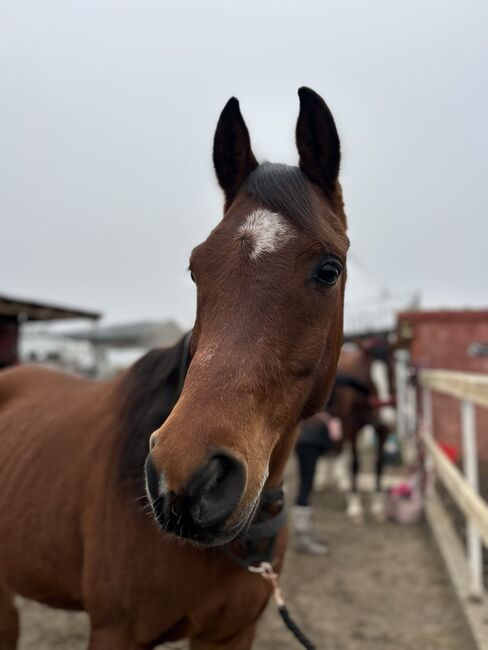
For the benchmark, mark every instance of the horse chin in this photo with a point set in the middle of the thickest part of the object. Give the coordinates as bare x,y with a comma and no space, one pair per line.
218,538
226,535
204,537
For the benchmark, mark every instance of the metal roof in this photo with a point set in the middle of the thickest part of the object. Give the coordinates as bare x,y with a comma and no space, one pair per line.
144,334
28,310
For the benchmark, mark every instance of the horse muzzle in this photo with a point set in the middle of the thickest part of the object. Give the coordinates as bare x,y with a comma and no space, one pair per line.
203,510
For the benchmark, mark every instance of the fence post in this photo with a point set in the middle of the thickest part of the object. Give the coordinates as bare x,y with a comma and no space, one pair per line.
401,370
470,462
428,426
427,410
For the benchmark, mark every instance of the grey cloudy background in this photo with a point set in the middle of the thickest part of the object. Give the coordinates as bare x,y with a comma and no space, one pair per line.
107,113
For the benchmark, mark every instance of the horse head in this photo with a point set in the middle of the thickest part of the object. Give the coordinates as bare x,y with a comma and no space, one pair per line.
270,286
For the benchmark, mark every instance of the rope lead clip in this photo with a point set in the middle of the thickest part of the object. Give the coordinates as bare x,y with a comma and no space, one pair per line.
265,569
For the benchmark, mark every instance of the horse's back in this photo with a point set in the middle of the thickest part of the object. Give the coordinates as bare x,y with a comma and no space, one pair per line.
43,411
17,380
49,426
355,363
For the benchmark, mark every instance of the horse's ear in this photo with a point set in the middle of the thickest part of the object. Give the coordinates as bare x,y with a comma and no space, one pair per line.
317,141
232,155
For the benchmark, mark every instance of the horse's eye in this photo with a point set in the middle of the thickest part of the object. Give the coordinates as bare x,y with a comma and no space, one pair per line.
329,272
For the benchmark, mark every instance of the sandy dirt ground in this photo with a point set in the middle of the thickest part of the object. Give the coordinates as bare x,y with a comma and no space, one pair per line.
381,587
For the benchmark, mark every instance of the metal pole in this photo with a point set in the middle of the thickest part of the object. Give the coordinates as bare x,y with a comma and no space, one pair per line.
428,425
411,445
427,410
401,361
470,463
412,419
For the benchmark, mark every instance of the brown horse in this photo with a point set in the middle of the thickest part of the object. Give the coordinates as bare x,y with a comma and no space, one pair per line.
355,402
263,353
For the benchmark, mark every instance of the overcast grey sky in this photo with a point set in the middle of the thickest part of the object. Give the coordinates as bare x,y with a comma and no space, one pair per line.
107,114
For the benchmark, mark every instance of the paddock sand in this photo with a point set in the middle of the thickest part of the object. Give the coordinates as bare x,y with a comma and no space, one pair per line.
382,586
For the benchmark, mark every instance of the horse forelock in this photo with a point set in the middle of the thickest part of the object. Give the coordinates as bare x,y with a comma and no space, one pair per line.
285,190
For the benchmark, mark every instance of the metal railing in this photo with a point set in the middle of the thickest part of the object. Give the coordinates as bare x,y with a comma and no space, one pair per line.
470,389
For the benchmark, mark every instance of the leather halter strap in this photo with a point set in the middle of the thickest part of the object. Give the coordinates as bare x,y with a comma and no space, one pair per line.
257,544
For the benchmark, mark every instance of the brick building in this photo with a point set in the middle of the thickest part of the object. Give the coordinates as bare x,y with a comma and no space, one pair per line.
449,340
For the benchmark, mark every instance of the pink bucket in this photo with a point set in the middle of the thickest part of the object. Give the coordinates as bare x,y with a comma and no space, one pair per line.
404,504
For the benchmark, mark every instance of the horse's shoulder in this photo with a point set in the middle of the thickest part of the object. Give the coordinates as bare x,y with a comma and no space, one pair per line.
17,376
26,373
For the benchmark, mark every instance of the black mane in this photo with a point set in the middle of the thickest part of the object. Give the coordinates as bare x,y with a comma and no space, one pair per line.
149,392
283,189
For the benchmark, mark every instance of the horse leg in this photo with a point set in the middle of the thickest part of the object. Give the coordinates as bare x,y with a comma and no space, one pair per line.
118,637
354,505
378,508
243,640
9,621
341,471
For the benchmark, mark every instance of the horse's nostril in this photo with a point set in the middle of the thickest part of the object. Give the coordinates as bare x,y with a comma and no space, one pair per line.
207,501
152,441
216,490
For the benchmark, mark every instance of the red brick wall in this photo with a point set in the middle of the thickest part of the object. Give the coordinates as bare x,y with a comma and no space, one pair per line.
442,340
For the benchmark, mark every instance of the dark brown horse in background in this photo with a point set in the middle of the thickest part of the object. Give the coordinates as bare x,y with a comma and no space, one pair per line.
355,400
270,282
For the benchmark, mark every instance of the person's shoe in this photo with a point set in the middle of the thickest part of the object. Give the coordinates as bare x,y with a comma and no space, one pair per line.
304,540
305,543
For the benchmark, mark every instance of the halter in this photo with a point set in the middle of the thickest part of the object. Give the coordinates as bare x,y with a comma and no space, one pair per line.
257,544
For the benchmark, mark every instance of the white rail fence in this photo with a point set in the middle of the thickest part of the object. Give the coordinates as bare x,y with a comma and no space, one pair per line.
470,390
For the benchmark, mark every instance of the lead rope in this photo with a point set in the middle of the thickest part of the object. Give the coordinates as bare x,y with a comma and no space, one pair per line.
266,571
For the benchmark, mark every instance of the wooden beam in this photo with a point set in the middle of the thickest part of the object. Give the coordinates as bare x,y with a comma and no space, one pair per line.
23,310
475,509
463,385
452,551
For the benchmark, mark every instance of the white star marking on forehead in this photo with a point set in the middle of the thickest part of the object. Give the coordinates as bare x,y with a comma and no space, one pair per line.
265,231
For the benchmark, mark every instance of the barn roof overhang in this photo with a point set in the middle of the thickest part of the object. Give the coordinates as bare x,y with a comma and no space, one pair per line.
22,310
